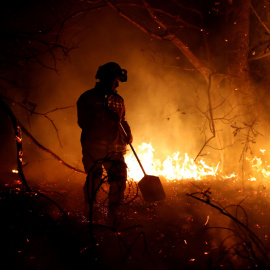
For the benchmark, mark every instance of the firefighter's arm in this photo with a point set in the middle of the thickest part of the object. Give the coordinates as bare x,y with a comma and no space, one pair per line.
128,137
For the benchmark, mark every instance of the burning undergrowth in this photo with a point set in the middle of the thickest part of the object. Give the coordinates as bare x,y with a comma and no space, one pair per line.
217,226
214,222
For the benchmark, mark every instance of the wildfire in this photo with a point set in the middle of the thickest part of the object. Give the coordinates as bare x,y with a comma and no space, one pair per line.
260,168
175,167
178,167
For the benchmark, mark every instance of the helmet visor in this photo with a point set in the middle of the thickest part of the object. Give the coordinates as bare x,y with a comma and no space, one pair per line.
123,75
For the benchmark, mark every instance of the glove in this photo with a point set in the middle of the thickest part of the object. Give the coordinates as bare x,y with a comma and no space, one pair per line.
129,138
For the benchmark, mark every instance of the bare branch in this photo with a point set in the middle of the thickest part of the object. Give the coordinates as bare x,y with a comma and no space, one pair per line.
187,8
168,36
166,13
115,8
252,236
260,20
263,55
76,14
27,133
32,111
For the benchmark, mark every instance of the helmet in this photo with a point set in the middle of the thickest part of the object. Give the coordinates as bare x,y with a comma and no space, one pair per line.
110,70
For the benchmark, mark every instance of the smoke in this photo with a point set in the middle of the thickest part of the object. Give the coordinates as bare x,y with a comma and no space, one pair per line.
158,94
162,102
163,95
161,98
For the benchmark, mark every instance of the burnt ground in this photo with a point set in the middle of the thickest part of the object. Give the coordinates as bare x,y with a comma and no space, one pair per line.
178,233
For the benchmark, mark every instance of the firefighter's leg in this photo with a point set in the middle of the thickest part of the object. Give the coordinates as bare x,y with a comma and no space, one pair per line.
91,187
94,171
93,181
117,176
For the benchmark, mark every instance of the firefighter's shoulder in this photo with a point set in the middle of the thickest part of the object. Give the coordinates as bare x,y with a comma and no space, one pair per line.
88,94
118,96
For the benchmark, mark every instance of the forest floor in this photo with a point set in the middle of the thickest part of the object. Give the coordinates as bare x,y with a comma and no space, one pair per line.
180,232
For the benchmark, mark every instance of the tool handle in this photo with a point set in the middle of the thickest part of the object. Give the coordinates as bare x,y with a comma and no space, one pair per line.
133,150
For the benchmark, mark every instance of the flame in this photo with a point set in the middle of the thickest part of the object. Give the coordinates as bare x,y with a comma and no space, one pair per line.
180,166
260,168
175,167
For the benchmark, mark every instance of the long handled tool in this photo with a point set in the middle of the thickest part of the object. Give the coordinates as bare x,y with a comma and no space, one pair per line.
150,186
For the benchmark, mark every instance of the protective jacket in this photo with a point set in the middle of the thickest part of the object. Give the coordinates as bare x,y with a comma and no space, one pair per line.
100,113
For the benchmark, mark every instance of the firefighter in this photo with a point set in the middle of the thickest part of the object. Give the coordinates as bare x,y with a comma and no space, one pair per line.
101,112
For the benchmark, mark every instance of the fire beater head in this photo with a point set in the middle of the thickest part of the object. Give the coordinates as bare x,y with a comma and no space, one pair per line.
110,71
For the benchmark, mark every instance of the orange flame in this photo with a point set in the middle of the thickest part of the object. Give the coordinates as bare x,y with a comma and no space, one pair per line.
260,168
178,167
172,168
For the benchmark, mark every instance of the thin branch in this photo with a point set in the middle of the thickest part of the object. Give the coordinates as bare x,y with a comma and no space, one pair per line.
27,133
260,20
259,57
76,14
210,119
257,241
168,36
188,8
166,13
115,8
202,148
42,114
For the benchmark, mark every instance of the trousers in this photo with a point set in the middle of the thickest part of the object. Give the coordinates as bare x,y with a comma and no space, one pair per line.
101,167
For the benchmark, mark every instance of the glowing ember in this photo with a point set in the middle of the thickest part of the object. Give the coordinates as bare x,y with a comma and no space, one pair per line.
252,178
15,171
233,175
206,221
18,139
